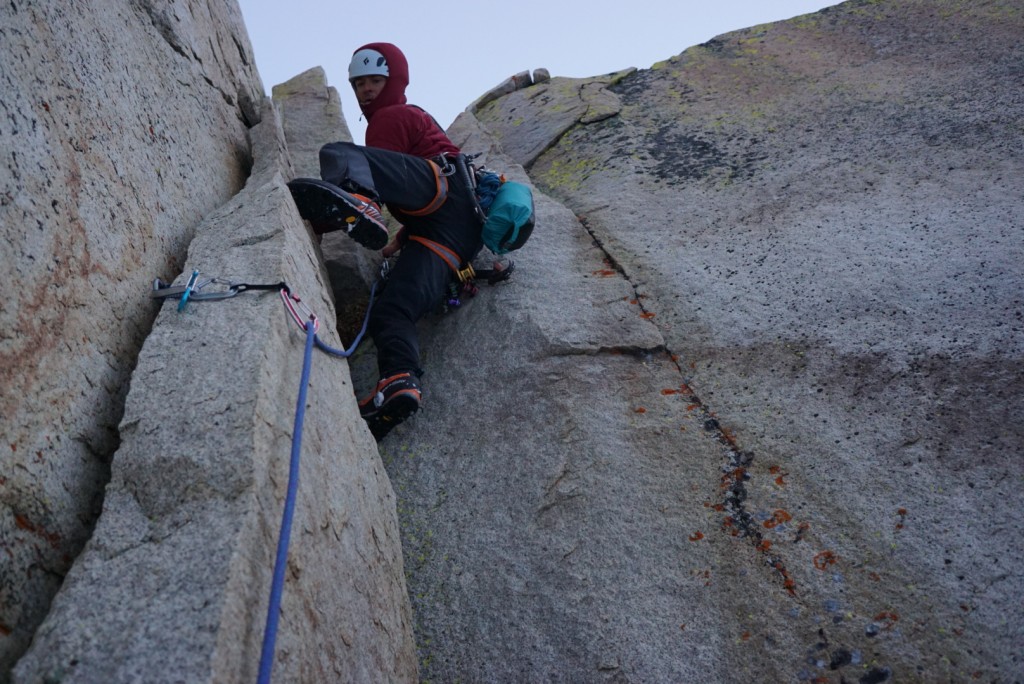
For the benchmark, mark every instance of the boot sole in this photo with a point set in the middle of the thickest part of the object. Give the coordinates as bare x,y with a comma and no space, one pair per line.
396,410
329,208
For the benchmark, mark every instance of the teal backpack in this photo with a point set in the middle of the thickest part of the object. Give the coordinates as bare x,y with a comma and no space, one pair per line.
508,206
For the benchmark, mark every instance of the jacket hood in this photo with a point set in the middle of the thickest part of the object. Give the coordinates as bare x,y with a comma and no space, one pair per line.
398,78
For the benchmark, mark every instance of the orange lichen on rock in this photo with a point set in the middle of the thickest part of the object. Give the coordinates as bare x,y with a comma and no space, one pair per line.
824,559
778,517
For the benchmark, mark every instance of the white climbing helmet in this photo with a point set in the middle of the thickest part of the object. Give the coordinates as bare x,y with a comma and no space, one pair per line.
367,62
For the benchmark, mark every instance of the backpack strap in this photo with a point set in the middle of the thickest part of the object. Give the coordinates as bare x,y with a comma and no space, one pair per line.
449,257
467,172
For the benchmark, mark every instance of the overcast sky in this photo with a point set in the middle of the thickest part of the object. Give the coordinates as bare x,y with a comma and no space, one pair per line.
458,50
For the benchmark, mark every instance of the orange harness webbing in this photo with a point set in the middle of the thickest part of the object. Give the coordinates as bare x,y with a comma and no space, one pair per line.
441,183
448,256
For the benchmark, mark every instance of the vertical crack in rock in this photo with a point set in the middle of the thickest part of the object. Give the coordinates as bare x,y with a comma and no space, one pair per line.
737,520
164,24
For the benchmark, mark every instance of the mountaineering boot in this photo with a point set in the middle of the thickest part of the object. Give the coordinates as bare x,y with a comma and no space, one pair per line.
329,208
396,398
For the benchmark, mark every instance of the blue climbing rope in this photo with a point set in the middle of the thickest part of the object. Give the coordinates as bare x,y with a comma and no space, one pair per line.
277,586
310,326
280,564
322,346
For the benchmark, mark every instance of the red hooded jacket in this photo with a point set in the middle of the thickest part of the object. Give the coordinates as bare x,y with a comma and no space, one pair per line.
392,124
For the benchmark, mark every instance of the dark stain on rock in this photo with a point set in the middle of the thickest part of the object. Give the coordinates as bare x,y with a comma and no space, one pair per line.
840,658
713,45
876,675
680,156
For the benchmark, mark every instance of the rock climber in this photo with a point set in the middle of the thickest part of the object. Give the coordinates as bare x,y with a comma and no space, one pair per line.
408,164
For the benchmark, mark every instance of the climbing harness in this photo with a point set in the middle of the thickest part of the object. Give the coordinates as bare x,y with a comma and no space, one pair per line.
465,274
441,174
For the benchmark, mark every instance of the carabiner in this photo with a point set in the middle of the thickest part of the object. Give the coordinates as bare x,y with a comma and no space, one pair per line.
233,289
188,290
448,168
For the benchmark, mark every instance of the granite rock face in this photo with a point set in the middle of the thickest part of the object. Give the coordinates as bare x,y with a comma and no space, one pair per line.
128,132
747,410
174,584
759,400
529,120
547,490
524,79
121,125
